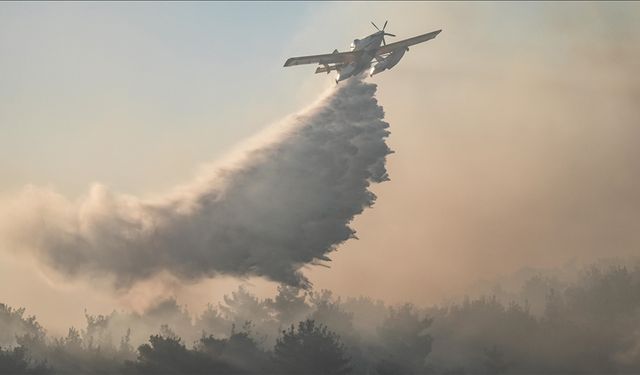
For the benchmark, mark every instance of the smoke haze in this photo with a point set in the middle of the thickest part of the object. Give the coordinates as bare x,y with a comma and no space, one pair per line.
281,205
516,130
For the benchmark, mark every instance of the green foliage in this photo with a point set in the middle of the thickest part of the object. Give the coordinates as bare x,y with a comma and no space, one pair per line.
310,349
13,324
289,305
405,341
165,354
16,362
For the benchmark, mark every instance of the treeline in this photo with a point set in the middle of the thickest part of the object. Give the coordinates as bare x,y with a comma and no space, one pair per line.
588,325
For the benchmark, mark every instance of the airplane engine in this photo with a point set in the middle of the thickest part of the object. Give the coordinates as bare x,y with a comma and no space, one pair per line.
389,61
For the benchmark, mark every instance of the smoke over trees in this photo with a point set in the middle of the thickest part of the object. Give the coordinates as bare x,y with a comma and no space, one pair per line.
587,325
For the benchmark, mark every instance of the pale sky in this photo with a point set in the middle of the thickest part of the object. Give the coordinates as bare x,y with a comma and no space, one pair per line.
516,130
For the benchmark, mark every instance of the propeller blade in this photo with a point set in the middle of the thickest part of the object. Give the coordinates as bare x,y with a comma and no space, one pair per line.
374,25
385,25
388,34
383,42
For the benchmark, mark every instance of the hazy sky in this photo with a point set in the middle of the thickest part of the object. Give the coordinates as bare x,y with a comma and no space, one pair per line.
516,130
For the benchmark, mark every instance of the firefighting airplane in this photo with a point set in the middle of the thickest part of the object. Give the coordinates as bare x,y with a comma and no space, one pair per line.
362,54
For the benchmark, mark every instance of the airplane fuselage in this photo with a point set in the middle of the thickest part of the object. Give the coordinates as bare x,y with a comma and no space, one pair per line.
366,48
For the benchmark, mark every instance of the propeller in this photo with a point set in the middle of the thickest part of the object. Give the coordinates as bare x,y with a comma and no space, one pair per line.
383,33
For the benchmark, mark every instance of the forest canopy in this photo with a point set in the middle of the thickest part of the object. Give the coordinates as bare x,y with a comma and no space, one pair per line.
549,324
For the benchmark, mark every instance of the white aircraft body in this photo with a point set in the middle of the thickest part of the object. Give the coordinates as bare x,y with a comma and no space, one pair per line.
362,53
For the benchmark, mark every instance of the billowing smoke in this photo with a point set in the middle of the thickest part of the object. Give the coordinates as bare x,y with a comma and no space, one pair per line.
284,204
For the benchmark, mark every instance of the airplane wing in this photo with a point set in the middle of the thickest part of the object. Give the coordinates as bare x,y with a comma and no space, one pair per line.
407,42
329,58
